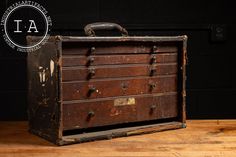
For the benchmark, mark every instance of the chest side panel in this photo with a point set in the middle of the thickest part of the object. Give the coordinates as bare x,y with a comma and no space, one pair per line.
43,90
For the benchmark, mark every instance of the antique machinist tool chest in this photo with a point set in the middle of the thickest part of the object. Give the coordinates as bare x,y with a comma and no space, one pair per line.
95,87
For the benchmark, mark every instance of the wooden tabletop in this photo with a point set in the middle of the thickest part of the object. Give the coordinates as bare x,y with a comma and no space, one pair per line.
205,138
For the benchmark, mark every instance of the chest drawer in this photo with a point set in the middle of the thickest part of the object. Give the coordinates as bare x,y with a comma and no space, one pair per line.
110,48
118,87
108,59
117,71
102,112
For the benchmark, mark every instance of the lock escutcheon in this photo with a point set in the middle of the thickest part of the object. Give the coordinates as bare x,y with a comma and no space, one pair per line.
153,108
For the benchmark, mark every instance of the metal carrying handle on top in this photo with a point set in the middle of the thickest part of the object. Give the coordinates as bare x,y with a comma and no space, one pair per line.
90,28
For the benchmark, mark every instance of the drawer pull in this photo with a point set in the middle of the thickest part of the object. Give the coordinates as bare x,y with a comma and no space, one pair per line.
91,90
153,59
154,49
153,71
91,73
90,61
92,49
152,86
90,115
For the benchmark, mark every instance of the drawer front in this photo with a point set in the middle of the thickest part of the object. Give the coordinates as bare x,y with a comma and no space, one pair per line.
72,48
89,113
97,72
78,60
78,90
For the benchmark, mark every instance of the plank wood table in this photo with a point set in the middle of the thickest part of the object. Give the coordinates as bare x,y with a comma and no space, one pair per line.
205,138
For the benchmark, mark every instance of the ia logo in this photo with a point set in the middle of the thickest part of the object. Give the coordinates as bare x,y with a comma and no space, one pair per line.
22,19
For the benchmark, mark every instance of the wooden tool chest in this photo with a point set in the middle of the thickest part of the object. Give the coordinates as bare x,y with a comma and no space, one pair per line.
89,88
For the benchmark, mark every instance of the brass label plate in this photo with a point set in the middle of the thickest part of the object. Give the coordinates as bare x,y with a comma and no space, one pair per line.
124,101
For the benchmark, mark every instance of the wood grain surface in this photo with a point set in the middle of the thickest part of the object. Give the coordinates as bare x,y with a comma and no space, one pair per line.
201,138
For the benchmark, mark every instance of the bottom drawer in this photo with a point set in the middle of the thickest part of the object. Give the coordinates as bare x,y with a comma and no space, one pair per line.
109,111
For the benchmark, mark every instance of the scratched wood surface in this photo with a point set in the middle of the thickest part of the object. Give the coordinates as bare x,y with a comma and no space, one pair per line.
201,138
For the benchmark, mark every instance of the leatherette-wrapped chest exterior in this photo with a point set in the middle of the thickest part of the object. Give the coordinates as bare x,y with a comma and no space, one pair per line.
90,88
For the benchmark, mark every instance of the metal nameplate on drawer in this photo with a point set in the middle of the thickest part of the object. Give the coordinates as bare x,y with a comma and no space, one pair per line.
124,101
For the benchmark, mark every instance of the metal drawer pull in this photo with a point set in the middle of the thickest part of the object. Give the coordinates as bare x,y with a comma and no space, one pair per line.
91,90
91,72
153,59
153,71
154,49
92,49
90,115
90,61
152,86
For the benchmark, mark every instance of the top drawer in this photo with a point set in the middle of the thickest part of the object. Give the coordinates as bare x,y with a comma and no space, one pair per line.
100,48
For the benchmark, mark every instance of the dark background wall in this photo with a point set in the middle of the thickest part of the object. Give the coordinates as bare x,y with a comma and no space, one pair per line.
210,26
